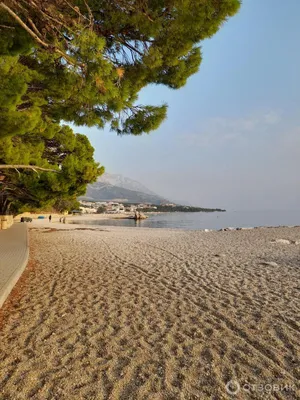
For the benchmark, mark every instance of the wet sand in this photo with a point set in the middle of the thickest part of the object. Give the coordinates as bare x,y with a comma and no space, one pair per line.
153,314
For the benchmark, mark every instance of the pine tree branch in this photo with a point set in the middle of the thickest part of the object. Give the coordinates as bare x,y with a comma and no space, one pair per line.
33,167
7,27
18,19
91,17
34,35
34,28
126,44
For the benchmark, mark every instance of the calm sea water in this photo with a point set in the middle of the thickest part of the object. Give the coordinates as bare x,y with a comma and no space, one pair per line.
201,220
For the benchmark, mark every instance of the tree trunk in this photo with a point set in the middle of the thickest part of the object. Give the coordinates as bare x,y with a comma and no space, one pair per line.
4,205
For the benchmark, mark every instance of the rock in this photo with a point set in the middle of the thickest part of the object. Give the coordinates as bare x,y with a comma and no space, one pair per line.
282,241
271,263
139,215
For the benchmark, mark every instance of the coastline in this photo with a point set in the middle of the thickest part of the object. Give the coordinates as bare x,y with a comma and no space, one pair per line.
119,313
86,219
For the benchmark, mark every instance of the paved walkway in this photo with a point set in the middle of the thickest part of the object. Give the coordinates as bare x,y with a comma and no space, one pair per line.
14,253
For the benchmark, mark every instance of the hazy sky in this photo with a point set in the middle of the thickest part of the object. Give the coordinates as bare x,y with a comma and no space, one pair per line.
232,137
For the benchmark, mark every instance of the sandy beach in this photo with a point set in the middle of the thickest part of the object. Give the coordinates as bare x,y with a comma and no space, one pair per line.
124,313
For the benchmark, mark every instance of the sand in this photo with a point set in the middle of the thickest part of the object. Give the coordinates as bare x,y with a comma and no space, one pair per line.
125,313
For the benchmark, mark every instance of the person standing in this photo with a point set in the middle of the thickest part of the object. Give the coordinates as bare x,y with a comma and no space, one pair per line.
50,217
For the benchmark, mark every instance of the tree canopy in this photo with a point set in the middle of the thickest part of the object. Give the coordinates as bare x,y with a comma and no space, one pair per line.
69,155
85,61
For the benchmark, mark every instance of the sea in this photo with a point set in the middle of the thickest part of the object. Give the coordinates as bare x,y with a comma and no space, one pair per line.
206,220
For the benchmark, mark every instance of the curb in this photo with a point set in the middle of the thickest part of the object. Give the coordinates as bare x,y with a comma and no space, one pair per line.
17,254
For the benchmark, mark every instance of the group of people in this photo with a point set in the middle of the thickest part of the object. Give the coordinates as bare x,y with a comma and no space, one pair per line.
61,219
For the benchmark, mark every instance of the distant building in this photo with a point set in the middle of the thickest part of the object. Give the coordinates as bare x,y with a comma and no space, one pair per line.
87,203
115,207
170,204
141,206
87,210
146,206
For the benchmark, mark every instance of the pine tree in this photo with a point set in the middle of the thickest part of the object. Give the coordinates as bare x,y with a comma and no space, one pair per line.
68,155
85,61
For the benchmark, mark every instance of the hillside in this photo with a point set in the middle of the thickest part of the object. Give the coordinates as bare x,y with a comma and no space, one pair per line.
103,190
125,183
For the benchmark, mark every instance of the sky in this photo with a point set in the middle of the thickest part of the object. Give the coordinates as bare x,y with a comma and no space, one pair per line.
232,136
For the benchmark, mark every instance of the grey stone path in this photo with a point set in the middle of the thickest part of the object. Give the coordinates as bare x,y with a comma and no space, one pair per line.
14,254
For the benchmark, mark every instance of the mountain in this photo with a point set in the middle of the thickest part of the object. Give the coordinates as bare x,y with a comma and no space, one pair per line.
125,183
110,187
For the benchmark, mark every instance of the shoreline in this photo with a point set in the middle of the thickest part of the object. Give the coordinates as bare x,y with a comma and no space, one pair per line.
162,222
69,222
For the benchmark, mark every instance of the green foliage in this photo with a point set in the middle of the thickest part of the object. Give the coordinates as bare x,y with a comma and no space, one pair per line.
142,119
85,62
89,59
19,112
62,204
71,155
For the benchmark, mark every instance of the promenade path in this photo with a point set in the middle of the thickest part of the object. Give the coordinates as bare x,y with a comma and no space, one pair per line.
14,253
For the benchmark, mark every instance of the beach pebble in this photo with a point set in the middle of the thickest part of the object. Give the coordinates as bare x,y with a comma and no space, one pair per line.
282,241
296,242
271,263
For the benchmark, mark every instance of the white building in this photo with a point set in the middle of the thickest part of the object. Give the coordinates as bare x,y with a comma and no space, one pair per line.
88,210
